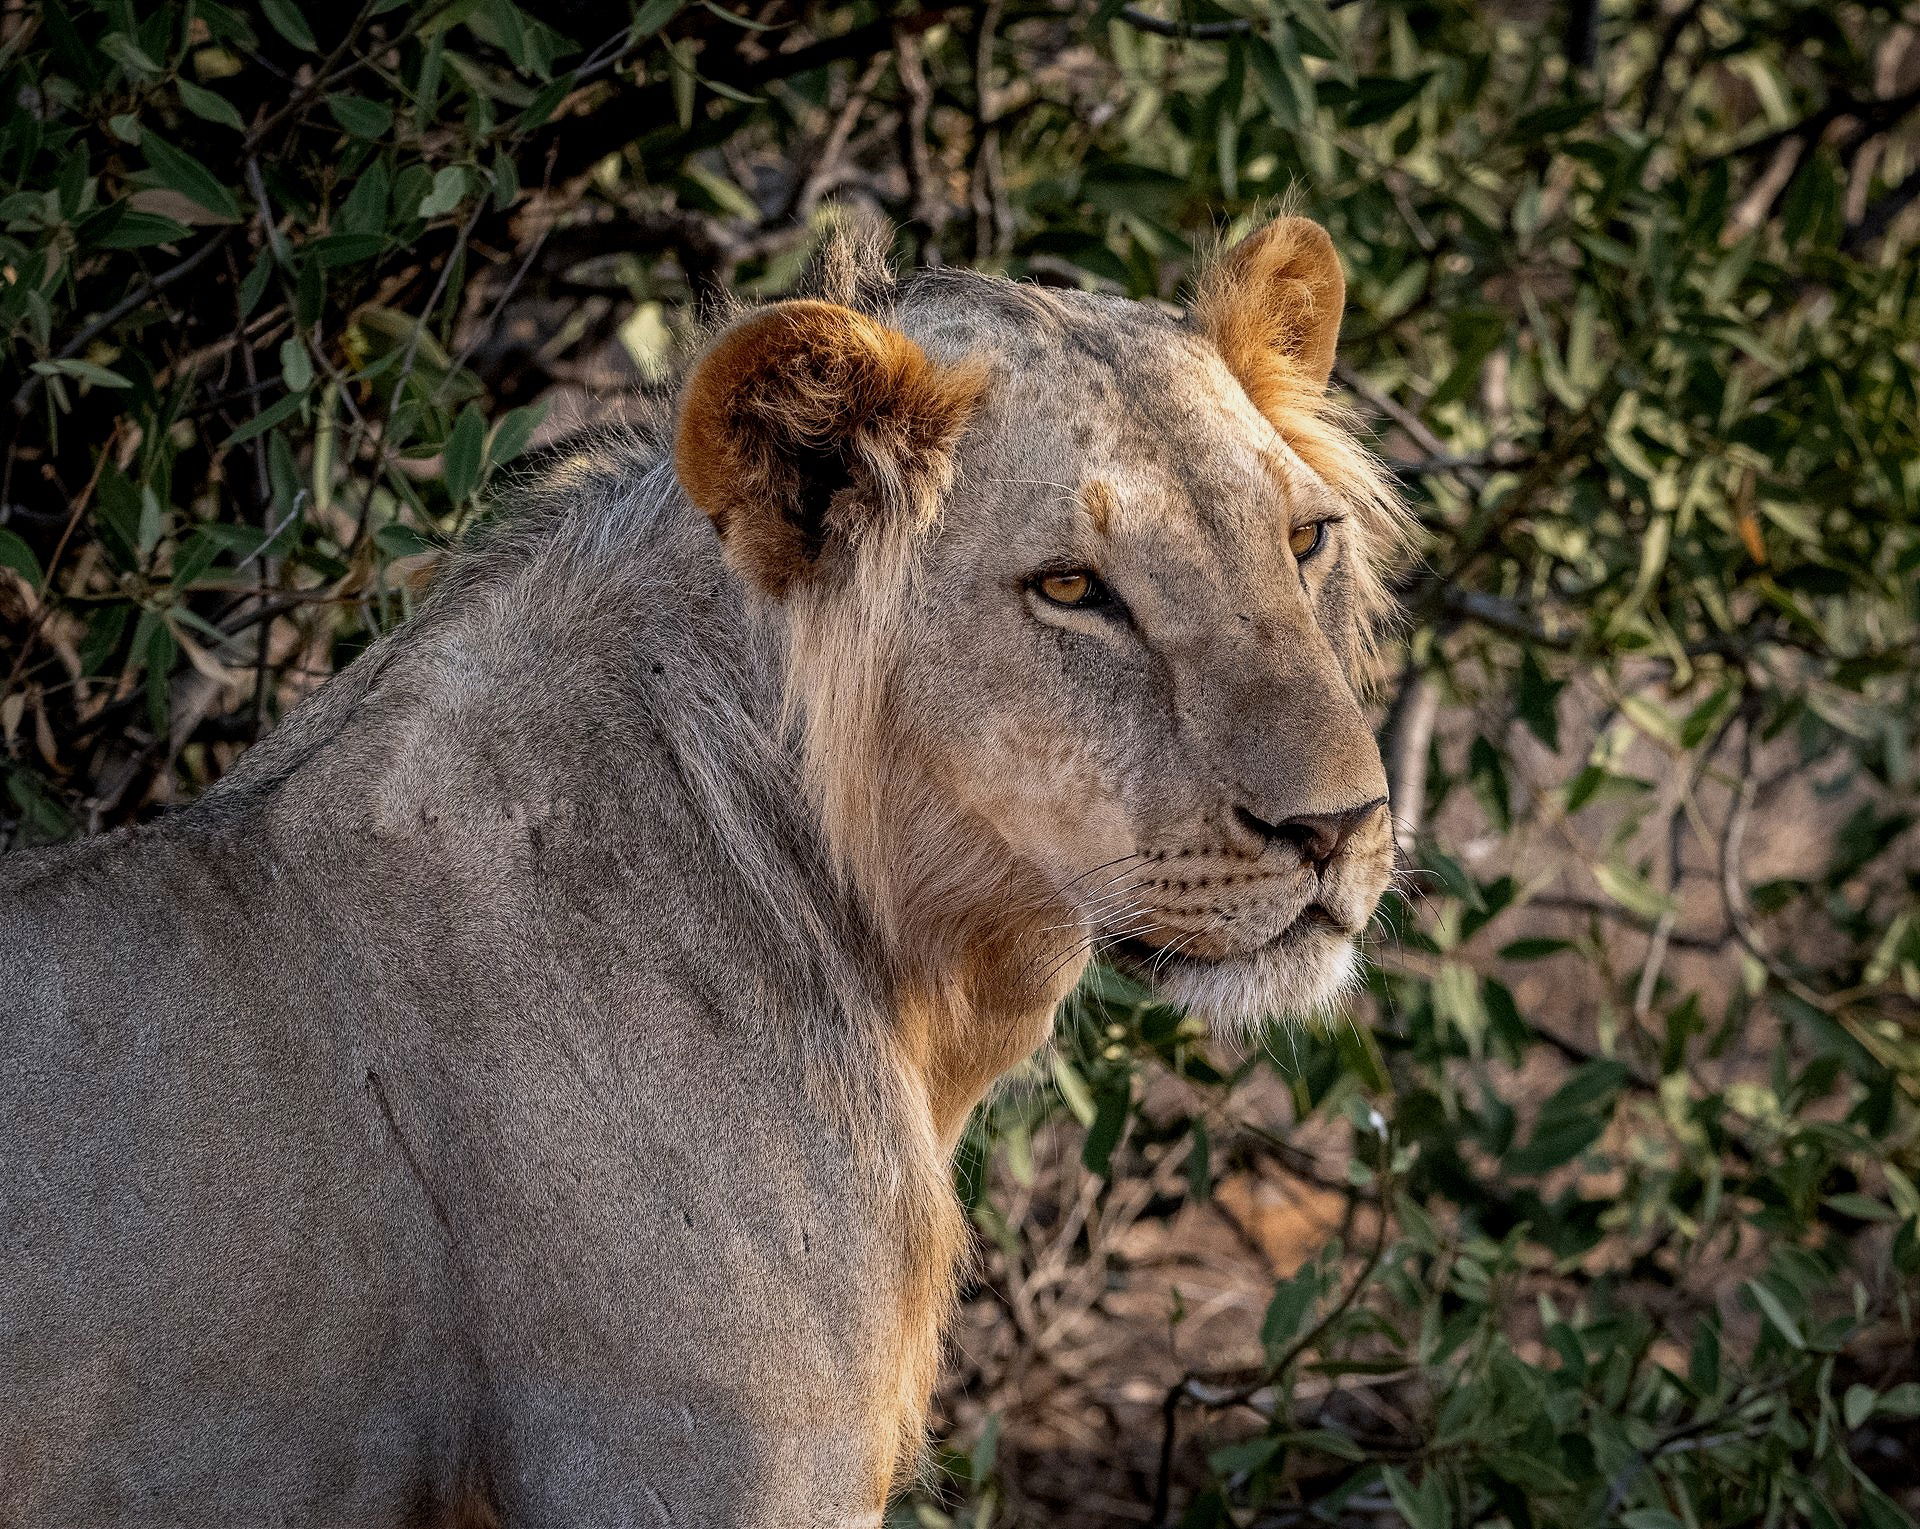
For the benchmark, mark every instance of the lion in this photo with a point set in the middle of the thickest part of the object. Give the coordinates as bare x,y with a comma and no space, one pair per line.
524,1089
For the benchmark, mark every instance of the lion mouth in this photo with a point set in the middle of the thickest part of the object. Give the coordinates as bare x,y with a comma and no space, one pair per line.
1299,972
1313,921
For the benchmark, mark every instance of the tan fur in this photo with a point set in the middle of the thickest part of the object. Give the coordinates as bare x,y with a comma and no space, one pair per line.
1098,500
1272,305
956,911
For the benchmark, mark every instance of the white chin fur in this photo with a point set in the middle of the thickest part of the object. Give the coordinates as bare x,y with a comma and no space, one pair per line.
1238,997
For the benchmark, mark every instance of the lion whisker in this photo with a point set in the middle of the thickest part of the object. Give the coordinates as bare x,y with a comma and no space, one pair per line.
1098,937
1096,870
1093,936
1169,951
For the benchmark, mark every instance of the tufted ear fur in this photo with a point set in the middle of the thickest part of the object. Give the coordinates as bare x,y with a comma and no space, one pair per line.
804,422
853,263
1272,306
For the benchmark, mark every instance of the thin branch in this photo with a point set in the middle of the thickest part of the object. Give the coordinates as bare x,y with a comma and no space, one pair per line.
1416,429
1880,214
1874,115
1198,31
142,294
1409,737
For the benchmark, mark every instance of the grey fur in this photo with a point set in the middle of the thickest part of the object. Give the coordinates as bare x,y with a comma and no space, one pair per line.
336,1104
483,1094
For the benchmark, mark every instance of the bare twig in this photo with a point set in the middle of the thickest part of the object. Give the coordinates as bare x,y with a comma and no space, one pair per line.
1198,31
137,298
827,164
1880,213
1409,737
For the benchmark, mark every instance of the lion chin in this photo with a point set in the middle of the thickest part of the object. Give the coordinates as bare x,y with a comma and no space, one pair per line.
1299,977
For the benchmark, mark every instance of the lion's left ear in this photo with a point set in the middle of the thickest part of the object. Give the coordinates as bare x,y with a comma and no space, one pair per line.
803,422
1272,307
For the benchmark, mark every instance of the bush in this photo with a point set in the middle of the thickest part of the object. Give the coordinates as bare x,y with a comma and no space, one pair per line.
1623,1159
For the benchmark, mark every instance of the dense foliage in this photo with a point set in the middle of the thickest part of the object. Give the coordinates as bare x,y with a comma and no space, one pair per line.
1623,1146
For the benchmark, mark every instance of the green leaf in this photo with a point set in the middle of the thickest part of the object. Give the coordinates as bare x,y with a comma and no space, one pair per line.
1537,701
1239,1459
1073,1089
1533,948
1632,891
17,555
1902,1401
1109,1124
289,23
1287,1310
361,117
208,104
1862,1207
266,419
1453,877
168,167
652,16
81,371
449,189
1554,1143
1703,1359
336,250
129,55
1280,75
465,455
514,431
1317,20
296,364
1324,1441
136,230
397,540
1775,1313
365,209
1375,97
1857,1406
1594,784
1424,1506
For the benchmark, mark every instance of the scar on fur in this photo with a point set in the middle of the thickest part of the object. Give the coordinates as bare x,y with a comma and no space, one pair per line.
1096,498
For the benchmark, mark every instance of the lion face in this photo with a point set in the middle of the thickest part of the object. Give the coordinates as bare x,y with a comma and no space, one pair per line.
1132,659
1100,578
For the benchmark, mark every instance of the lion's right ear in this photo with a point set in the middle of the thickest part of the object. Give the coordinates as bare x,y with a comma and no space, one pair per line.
803,422
1272,306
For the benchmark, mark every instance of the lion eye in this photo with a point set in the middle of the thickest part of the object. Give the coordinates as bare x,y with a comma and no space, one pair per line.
1307,539
1075,587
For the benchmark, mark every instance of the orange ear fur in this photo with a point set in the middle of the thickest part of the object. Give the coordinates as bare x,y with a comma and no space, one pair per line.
806,415
1272,306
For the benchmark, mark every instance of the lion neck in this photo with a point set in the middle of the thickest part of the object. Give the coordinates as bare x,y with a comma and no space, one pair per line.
878,912
977,946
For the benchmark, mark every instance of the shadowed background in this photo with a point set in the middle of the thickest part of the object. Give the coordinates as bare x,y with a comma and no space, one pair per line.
1599,1205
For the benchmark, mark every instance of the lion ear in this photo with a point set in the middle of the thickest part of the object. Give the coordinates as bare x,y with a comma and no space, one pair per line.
1272,307
803,423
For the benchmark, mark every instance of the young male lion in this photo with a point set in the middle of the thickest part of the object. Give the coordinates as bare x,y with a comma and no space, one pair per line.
525,1087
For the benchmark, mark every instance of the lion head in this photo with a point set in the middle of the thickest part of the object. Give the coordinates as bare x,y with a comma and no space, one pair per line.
1078,593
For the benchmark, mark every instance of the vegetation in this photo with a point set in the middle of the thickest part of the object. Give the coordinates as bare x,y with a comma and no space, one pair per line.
1621,1154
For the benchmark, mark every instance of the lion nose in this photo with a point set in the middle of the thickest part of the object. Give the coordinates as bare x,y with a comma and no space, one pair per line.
1319,836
